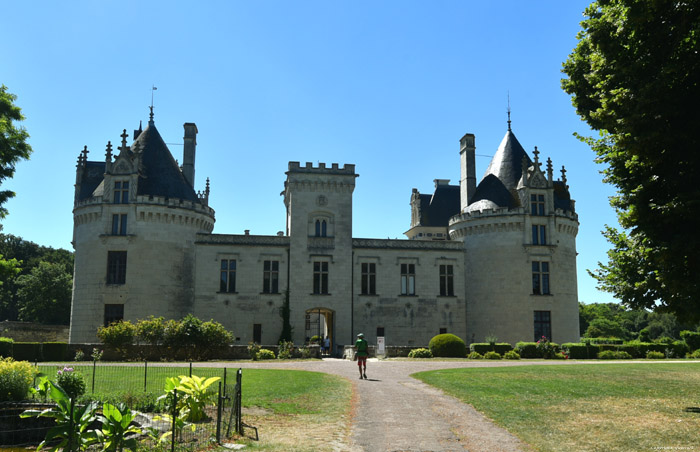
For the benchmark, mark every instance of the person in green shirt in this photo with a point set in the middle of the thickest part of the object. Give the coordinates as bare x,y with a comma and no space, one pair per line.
361,351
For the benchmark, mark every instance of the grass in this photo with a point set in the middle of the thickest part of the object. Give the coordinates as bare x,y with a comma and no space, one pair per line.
293,410
588,407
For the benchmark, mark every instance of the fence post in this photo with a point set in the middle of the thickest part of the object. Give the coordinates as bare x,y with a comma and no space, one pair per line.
174,415
239,398
94,367
218,417
224,382
190,370
70,425
145,374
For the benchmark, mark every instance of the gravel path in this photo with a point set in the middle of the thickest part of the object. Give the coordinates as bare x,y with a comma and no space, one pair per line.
395,412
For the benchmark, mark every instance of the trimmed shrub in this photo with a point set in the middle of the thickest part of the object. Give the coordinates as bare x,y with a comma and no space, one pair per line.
611,354
694,355
483,347
71,381
475,355
420,353
492,355
266,354
511,355
54,351
605,340
447,345
578,350
692,338
6,346
677,349
16,378
655,355
118,334
527,350
26,351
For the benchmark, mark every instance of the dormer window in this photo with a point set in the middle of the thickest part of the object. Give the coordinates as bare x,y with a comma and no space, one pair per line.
121,192
537,205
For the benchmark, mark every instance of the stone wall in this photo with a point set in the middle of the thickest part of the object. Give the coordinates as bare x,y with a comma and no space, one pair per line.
33,332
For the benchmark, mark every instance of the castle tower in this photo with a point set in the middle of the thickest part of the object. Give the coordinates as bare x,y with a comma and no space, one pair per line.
519,233
135,218
319,225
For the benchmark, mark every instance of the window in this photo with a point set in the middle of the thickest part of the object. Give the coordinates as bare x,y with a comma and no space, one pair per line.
540,278
408,279
543,325
271,276
228,276
443,330
121,192
116,267
257,333
380,331
119,224
321,228
113,313
447,281
537,205
369,279
539,234
320,278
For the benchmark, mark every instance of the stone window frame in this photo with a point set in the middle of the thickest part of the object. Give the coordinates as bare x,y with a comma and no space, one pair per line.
271,278
227,275
320,276
116,267
541,278
119,223
539,234
542,325
120,191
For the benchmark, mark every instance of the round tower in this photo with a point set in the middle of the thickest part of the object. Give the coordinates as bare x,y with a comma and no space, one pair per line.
519,233
135,218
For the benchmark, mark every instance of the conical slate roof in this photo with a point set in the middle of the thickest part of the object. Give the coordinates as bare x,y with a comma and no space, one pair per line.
499,184
159,174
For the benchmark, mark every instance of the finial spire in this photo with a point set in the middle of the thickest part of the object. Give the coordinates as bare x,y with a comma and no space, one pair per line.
108,152
537,156
124,148
150,121
508,111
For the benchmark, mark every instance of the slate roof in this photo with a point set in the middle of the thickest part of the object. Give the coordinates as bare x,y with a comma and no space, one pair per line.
92,178
438,208
160,174
500,182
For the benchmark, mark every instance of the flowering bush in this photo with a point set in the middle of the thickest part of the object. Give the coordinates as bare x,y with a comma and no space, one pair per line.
545,348
475,355
266,354
420,353
253,350
285,350
492,355
71,382
15,379
96,354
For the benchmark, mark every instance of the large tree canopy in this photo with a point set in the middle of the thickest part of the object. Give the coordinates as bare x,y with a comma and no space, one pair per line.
634,77
13,142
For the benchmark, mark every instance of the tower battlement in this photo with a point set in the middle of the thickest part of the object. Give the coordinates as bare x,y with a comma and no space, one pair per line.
347,169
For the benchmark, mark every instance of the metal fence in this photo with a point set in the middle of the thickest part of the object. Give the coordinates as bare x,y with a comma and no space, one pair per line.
139,386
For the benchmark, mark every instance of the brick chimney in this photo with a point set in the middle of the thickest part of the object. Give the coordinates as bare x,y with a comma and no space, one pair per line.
467,181
189,152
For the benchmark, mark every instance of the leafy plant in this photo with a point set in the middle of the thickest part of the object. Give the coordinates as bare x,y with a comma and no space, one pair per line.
96,354
116,425
265,354
117,335
491,339
475,355
71,382
15,379
286,350
420,353
545,348
655,355
72,420
79,355
253,350
492,355
511,355
612,354
192,394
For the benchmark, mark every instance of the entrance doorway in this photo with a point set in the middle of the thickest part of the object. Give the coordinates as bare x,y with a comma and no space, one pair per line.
319,322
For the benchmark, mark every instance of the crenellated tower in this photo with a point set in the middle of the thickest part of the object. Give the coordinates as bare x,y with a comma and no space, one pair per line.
136,215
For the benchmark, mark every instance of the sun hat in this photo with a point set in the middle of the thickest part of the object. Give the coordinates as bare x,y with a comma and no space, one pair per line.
360,335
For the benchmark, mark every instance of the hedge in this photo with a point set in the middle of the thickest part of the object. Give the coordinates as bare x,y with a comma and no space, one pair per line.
692,338
447,346
55,351
26,351
635,349
6,346
484,347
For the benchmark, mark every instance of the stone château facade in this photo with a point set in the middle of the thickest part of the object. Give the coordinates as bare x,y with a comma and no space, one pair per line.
497,258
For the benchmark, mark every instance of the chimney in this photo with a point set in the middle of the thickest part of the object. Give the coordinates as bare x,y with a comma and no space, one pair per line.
467,182
189,152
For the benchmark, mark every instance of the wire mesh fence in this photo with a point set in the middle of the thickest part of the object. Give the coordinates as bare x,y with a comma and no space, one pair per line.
169,419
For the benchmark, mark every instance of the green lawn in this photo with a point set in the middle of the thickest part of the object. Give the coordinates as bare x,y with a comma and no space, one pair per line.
587,407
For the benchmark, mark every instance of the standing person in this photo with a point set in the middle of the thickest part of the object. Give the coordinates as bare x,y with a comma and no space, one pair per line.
327,345
361,348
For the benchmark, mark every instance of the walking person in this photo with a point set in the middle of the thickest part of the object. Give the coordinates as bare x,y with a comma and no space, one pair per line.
327,345
361,352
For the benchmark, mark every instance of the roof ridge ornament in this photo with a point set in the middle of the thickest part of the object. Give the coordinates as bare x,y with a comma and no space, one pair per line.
150,121
108,152
508,110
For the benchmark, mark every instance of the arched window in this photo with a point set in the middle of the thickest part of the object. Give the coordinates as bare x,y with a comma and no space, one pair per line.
318,228
323,228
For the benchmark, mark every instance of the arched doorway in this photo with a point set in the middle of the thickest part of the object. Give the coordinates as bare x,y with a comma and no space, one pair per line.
320,322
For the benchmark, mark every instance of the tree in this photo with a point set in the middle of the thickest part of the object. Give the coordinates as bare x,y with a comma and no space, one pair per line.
13,142
44,295
633,77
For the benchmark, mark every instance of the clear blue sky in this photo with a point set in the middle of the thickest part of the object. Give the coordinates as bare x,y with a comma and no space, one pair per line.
389,86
